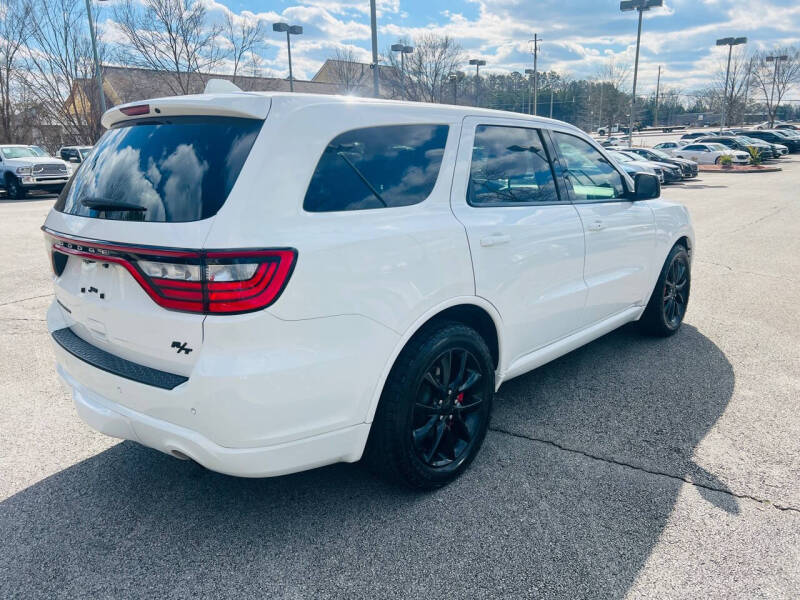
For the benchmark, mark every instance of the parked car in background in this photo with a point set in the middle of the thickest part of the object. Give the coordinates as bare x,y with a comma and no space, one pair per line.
777,125
670,147
711,154
778,149
633,166
688,167
792,143
671,172
74,154
22,171
361,280
764,150
694,135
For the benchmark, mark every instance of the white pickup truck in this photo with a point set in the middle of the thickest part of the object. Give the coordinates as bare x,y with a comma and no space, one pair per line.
23,170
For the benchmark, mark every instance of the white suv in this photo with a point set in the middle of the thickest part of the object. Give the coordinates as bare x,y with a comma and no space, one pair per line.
23,169
267,282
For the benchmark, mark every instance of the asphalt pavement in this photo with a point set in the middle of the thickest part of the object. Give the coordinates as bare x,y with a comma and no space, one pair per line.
633,467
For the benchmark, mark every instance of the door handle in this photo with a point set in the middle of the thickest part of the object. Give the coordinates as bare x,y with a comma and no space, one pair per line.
596,226
495,239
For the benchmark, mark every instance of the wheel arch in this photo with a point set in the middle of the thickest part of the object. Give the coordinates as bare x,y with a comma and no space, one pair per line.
472,311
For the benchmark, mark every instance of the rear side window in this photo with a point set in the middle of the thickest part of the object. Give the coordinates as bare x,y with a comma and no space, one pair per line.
170,170
377,167
509,166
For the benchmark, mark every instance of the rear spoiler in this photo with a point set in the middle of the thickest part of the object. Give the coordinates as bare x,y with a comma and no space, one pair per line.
248,105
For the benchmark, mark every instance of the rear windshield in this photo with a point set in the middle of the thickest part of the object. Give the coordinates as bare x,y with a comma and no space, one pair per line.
161,170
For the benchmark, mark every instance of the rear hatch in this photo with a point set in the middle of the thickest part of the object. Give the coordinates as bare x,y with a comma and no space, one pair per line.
126,235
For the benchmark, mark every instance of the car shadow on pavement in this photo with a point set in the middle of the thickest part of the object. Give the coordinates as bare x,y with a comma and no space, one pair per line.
574,486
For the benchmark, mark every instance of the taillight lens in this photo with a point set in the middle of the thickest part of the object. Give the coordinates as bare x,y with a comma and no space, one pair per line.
208,282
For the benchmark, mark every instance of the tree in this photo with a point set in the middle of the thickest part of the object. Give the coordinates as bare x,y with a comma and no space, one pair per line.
15,29
57,70
774,79
427,69
350,74
243,36
613,103
172,36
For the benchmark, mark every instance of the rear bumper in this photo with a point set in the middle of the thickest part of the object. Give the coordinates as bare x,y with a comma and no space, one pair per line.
344,445
265,397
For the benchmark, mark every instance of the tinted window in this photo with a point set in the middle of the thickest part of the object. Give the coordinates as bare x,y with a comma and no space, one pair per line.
377,167
696,147
592,177
163,170
509,165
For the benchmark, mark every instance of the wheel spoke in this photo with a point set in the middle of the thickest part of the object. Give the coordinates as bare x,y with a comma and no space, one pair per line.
461,430
461,370
439,434
436,385
447,362
476,401
422,432
472,379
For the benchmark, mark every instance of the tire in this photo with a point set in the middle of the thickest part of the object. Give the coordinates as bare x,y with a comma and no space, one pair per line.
668,302
434,411
14,188
718,160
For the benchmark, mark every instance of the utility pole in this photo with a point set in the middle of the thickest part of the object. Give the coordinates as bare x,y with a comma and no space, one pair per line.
551,102
658,89
536,39
374,24
530,73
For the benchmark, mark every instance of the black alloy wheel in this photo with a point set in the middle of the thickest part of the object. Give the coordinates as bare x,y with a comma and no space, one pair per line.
676,288
435,407
447,413
666,309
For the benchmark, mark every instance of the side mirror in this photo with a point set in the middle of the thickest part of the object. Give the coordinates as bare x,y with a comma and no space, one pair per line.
646,187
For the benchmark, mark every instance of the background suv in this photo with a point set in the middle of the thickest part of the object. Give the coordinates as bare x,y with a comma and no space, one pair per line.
267,282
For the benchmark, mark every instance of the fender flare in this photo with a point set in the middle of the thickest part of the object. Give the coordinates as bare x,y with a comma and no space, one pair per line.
418,324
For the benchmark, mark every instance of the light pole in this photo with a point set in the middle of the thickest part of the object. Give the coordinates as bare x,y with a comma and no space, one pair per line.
776,59
730,42
536,39
290,30
455,79
373,22
478,64
641,6
97,73
530,73
403,50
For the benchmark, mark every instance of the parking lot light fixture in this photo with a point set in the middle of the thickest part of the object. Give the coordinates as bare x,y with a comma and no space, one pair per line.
730,42
776,59
478,64
403,50
640,6
290,30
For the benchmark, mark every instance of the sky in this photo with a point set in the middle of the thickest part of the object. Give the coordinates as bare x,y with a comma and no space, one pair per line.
578,35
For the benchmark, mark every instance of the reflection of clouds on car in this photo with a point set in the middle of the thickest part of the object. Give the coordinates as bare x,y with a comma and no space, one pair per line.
183,187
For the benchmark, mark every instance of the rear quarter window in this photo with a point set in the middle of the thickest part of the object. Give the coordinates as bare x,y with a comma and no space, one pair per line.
171,170
377,167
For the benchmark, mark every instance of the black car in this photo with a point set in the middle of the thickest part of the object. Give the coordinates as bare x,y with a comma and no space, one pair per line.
774,137
688,167
731,142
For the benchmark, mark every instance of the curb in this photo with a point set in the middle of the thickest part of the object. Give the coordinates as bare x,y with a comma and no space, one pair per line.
764,170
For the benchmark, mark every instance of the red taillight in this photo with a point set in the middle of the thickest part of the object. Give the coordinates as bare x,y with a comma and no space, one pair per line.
132,111
209,282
